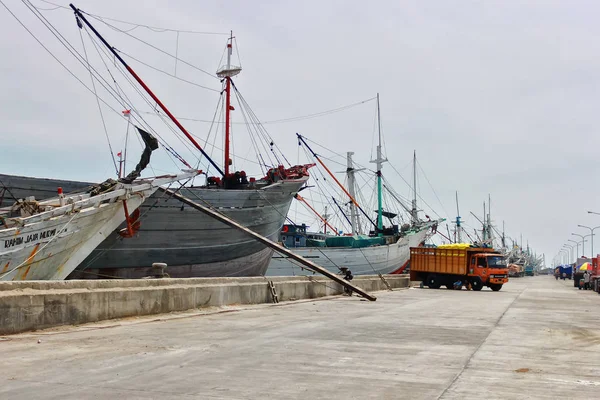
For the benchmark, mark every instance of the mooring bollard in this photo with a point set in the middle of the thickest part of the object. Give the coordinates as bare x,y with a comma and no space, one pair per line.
158,270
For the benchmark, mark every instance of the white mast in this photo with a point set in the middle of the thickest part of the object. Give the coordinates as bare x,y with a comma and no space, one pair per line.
458,226
414,213
379,162
325,218
484,225
354,220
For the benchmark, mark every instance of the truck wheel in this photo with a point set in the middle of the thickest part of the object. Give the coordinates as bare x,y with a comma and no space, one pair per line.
433,282
496,287
476,284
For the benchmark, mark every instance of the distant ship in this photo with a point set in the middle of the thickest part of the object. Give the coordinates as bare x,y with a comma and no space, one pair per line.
382,250
362,255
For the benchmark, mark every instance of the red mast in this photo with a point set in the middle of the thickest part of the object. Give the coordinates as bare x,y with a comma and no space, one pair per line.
227,71
227,123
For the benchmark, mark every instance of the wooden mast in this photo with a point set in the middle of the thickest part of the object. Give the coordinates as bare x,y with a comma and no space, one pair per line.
226,72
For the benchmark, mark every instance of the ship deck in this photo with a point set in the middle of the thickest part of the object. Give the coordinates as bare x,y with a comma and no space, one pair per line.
537,338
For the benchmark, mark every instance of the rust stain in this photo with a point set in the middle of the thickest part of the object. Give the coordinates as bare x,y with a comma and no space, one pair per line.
26,272
32,254
5,267
29,260
522,370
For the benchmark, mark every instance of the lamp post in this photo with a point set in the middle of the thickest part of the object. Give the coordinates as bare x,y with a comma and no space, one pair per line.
564,253
583,245
577,243
570,248
591,233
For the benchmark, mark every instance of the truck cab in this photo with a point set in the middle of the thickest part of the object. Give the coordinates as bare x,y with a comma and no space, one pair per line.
488,269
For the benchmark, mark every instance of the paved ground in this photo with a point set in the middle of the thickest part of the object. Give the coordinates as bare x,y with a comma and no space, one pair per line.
537,338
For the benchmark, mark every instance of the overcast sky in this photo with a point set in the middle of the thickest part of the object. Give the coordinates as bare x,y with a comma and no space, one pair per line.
496,97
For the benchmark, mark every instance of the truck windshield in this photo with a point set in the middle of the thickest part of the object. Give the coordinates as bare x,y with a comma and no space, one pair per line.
496,262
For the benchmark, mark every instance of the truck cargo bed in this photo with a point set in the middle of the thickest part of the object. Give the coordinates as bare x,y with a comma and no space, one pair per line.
441,261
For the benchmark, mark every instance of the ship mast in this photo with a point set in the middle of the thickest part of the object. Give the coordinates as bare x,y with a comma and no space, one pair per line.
226,72
458,226
490,232
350,171
325,218
414,212
379,162
484,225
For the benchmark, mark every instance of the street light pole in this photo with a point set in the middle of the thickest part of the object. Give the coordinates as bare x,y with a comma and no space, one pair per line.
570,247
564,253
578,243
591,232
583,244
576,247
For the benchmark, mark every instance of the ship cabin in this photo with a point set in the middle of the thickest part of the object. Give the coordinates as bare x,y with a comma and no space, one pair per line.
293,235
296,236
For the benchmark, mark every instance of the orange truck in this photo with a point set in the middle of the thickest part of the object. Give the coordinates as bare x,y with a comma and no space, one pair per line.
447,265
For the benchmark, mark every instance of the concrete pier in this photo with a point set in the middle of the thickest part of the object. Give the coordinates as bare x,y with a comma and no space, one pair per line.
31,305
536,339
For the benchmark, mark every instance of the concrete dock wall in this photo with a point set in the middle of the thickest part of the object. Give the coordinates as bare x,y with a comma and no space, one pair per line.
32,305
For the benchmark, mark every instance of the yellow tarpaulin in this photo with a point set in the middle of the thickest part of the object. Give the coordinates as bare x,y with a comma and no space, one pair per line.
454,246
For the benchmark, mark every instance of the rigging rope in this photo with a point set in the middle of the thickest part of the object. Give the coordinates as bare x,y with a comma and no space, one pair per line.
100,19
320,114
158,29
431,186
278,121
100,49
63,41
260,128
53,56
166,73
112,154
49,9
410,186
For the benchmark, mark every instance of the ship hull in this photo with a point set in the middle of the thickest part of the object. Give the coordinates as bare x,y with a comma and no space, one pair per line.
191,243
52,248
383,259
14,187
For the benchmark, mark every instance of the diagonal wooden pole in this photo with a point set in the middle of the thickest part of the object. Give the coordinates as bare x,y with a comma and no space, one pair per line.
267,242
